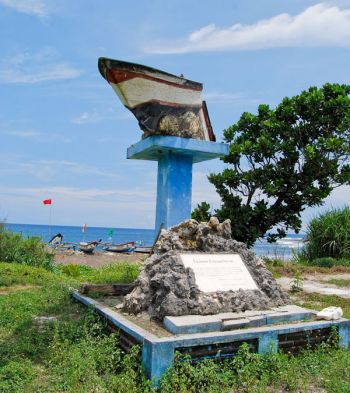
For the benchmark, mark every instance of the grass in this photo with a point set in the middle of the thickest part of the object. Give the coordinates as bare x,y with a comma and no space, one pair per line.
339,282
75,353
31,251
318,302
328,235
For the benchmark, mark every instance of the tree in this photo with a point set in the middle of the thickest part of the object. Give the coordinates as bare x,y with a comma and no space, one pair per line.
283,160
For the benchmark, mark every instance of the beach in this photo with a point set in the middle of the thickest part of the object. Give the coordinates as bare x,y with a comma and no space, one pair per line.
97,259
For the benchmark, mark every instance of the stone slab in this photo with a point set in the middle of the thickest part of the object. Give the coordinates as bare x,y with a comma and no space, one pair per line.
155,147
219,272
189,324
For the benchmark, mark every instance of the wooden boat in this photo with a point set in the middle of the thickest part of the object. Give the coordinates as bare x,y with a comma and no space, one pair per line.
56,240
143,250
87,248
163,103
123,247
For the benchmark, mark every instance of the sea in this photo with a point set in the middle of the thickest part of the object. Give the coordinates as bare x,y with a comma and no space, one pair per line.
282,249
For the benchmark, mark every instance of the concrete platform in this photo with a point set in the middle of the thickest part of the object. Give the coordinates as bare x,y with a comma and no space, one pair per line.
189,324
158,352
155,147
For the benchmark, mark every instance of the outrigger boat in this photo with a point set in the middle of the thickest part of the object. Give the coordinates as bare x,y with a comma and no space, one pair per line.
123,247
163,103
88,248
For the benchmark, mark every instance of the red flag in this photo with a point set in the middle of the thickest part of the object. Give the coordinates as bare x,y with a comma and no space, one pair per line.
47,201
84,228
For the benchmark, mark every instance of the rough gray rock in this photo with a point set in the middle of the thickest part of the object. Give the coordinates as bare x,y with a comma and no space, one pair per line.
166,287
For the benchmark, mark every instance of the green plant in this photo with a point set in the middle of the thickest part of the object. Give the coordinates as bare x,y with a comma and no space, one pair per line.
31,251
71,270
283,160
297,282
328,235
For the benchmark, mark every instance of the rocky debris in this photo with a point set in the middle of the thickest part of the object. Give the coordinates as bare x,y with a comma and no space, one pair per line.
166,287
185,125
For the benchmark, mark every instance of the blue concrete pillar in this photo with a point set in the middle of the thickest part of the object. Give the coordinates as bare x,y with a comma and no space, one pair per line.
268,342
175,158
344,335
157,357
174,189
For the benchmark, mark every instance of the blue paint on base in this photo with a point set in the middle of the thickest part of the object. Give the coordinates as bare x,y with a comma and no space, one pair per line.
153,147
174,190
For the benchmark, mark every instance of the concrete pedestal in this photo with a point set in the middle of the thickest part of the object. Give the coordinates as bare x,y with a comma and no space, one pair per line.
158,352
175,157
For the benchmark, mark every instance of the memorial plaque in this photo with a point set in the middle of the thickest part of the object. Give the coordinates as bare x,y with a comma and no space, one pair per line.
219,272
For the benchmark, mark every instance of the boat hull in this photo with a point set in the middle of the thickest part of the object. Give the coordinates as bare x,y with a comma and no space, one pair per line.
124,247
163,103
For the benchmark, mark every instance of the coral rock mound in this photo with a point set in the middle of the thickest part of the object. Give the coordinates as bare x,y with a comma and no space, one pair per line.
166,287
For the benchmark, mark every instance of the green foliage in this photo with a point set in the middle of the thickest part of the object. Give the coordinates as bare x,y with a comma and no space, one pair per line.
31,251
339,282
297,282
121,272
76,353
328,236
283,160
15,376
253,373
316,301
202,212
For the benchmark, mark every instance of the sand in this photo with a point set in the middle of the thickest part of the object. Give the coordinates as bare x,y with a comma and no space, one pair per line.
97,259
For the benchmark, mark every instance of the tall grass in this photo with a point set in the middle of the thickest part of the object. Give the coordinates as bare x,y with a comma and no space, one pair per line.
31,251
328,235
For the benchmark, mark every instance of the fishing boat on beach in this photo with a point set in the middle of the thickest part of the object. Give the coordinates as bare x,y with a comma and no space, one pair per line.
88,248
163,103
123,247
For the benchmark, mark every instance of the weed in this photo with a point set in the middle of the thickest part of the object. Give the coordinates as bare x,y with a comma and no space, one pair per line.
297,282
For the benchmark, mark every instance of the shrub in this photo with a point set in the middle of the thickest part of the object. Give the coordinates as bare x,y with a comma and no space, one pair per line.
328,235
31,251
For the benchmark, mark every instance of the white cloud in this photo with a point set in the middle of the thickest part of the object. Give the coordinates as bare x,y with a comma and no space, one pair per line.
37,8
95,117
39,136
319,25
47,170
27,68
220,97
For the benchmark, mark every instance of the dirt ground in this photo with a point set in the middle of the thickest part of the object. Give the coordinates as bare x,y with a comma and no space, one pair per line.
97,259
313,283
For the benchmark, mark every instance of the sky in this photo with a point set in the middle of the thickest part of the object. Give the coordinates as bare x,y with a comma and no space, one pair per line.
63,131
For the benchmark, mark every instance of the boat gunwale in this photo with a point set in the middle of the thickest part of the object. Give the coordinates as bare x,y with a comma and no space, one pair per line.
105,63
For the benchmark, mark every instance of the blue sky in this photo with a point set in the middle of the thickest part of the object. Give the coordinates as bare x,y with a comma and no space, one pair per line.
64,133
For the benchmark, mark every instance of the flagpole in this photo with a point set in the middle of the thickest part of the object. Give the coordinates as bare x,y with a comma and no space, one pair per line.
50,222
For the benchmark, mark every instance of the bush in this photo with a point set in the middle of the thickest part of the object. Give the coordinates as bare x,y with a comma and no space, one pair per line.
31,251
328,235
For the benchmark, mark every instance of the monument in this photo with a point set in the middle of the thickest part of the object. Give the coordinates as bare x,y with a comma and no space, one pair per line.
200,285
177,132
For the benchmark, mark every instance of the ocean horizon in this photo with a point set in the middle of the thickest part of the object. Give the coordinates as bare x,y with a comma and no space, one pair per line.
283,248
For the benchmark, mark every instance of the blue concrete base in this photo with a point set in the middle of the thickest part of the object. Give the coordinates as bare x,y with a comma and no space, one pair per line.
158,352
154,147
175,158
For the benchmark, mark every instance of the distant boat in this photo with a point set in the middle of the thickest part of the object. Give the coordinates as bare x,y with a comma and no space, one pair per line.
163,103
123,247
143,250
56,240
88,248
